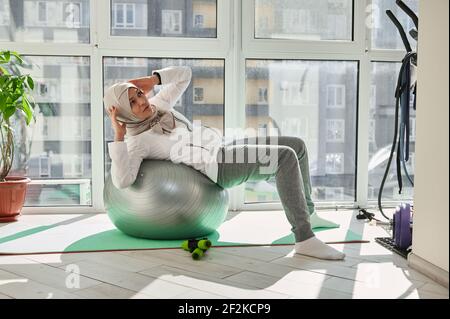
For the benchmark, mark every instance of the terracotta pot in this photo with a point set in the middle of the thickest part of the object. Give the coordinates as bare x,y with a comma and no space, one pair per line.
12,197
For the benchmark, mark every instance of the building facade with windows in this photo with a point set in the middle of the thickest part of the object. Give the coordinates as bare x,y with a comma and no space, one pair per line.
316,100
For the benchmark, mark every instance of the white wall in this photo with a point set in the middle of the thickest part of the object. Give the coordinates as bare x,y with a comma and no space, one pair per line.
431,199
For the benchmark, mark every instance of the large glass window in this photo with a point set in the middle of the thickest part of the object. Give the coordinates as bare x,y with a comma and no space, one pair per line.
298,104
304,19
202,101
313,99
45,21
384,81
384,33
157,18
55,152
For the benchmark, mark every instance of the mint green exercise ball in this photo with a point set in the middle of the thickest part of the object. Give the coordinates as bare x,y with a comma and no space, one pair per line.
167,201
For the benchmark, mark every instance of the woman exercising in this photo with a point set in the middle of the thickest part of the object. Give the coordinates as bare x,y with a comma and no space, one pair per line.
155,130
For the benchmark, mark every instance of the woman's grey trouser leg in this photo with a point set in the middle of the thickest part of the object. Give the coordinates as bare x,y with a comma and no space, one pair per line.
299,146
253,160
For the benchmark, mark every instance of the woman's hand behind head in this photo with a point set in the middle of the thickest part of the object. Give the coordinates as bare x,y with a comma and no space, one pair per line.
120,129
146,83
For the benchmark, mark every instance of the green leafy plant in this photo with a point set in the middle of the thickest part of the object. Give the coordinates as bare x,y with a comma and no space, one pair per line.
15,96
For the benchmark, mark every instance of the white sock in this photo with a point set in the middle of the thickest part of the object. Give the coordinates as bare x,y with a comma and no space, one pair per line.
313,247
317,222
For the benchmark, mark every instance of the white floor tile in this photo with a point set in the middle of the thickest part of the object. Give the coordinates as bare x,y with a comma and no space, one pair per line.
259,272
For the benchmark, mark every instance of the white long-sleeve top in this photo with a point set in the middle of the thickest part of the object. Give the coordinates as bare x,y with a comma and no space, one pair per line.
193,145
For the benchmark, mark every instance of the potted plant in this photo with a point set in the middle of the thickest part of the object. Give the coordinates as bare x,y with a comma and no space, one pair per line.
15,89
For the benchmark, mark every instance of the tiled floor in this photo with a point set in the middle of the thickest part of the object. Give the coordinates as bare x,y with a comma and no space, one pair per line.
266,272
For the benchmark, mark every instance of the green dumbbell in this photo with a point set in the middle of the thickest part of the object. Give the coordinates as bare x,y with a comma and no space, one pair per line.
197,247
197,253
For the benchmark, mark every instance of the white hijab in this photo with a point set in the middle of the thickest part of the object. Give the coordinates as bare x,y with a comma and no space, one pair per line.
117,95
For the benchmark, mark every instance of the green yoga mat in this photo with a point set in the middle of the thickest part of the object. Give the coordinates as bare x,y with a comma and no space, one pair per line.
84,233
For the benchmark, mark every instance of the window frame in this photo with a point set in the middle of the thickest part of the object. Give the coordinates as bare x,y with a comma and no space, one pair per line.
168,46
360,50
234,43
253,44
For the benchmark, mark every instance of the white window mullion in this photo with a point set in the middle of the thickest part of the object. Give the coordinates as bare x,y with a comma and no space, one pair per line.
235,89
364,96
97,129
98,22
104,22
99,25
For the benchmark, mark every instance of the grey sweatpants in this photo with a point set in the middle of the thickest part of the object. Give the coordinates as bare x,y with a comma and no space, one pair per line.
286,158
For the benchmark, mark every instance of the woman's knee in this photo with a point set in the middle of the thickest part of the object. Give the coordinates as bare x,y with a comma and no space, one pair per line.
298,145
287,153
301,145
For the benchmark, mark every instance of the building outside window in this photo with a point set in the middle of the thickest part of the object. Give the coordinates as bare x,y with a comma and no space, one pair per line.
381,131
336,131
42,12
262,96
334,193
198,95
410,164
45,128
407,192
171,21
72,14
124,15
335,163
4,13
298,21
199,20
78,127
371,131
73,166
43,90
412,129
373,97
371,192
44,166
303,19
321,109
298,106
174,18
336,96
297,126
294,93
